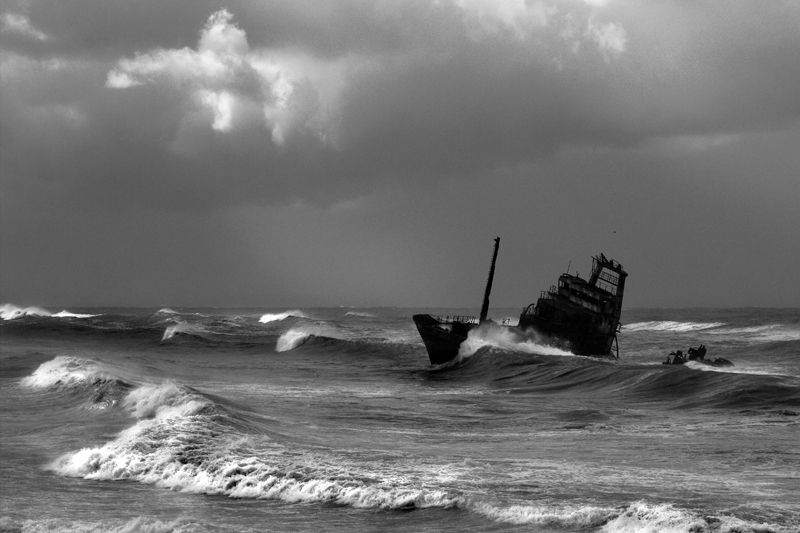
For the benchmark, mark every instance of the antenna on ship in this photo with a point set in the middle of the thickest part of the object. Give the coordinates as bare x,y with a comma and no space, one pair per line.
485,306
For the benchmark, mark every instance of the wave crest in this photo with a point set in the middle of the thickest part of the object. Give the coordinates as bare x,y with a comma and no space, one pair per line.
566,517
671,326
181,327
13,312
66,371
165,400
292,339
276,317
488,334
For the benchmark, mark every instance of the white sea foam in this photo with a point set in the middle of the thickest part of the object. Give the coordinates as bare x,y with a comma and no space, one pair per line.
166,311
165,400
65,370
763,333
275,317
671,326
559,517
641,517
359,314
67,314
190,452
12,312
506,339
177,443
752,370
139,524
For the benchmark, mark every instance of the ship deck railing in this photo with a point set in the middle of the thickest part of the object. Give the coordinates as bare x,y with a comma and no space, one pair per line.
464,319
467,319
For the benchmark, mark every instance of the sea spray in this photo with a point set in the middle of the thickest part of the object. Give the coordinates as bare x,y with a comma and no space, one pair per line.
291,340
490,334
12,312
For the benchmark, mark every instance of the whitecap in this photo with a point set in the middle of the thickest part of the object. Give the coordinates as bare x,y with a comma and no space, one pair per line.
292,339
671,326
763,333
275,317
641,517
65,370
67,314
164,400
182,453
12,312
561,517
506,339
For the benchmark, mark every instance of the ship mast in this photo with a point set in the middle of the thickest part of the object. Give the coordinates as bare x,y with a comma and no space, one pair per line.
485,306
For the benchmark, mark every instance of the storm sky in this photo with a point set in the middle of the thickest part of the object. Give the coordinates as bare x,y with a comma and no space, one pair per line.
297,153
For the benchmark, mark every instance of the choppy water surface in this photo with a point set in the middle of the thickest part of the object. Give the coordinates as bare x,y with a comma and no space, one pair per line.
332,419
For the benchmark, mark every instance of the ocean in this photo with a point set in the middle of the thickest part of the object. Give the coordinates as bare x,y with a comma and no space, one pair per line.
333,420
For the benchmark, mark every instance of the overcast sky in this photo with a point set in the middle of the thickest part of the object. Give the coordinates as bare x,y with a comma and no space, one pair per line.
298,153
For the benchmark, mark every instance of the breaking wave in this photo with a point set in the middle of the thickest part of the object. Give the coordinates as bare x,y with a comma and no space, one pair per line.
66,371
76,375
670,325
276,317
12,312
184,440
565,517
506,340
292,339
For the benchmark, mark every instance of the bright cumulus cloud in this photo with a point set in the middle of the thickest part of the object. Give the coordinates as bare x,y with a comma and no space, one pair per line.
223,74
298,92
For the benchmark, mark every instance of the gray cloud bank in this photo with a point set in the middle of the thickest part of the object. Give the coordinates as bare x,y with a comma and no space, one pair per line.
112,106
283,100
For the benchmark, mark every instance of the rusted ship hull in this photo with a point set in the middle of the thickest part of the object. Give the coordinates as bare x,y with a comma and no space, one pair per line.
442,338
581,335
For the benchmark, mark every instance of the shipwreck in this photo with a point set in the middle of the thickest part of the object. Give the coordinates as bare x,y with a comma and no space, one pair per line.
579,315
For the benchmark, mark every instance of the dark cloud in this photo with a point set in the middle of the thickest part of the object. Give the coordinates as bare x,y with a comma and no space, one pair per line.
114,111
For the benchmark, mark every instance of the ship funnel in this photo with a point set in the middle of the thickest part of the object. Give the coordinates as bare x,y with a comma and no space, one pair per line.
485,306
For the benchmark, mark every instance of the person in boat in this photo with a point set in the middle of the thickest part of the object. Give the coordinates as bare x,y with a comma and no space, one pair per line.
697,354
675,358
